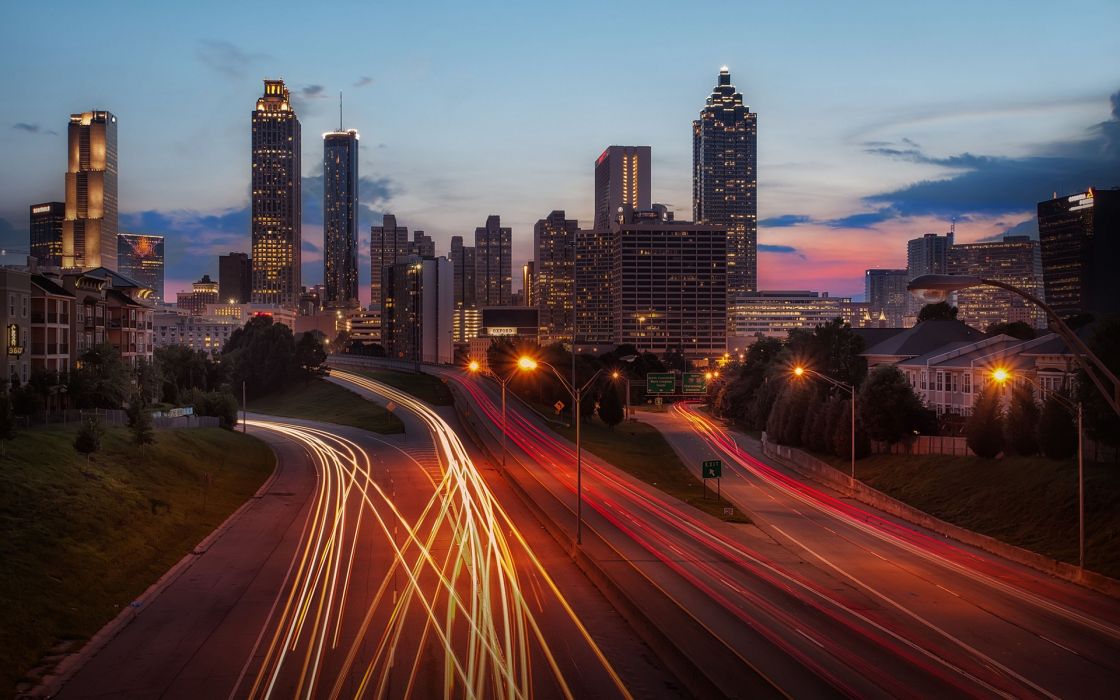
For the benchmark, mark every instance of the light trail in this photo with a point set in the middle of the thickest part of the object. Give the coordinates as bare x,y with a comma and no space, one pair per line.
458,561
661,527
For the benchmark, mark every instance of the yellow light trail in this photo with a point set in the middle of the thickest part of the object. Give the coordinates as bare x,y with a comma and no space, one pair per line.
468,601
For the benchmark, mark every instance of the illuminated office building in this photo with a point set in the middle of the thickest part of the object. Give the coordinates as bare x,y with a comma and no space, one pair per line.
622,177
466,321
417,305
46,232
140,258
89,230
387,242
554,256
725,179
773,314
1079,236
276,191
886,295
340,218
493,263
1016,260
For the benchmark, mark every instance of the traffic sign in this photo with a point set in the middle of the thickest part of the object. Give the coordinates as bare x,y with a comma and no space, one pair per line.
559,406
660,383
694,383
712,469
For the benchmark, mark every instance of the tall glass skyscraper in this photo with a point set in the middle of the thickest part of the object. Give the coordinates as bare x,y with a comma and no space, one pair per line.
622,175
140,258
46,232
89,231
1079,235
340,218
493,263
276,191
725,179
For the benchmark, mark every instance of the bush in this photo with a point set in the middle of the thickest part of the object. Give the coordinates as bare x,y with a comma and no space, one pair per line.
88,440
221,404
610,407
140,423
1022,422
984,428
1057,431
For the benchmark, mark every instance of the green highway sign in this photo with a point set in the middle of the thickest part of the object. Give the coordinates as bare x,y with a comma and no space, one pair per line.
712,469
660,383
694,383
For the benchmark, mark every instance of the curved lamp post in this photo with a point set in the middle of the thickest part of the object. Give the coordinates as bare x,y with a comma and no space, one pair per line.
937,288
523,363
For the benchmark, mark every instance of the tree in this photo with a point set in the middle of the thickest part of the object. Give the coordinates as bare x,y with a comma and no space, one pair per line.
140,423
1057,431
610,407
102,380
1101,422
88,440
7,422
941,311
1015,329
842,434
221,404
309,352
262,354
983,430
888,407
1022,422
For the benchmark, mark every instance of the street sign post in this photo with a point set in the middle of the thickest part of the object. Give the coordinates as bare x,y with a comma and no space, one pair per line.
660,383
559,406
712,469
694,383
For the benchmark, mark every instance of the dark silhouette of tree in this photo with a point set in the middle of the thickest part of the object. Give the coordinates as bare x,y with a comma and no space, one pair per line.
7,423
983,430
888,407
610,407
140,423
1022,421
1057,430
1015,329
88,440
102,380
1101,422
941,311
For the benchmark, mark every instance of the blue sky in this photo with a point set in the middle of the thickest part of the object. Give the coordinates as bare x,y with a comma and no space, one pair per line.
878,121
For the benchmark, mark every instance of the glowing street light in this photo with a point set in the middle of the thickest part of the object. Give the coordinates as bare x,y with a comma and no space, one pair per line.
799,372
1001,375
526,363
474,366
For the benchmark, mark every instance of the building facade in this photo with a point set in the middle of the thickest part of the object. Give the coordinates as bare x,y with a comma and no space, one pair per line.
725,178
140,257
387,242
15,318
465,323
203,293
1017,261
773,314
235,278
89,230
275,198
52,310
886,295
340,218
553,279
46,232
594,268
422,245
1079,237
622,177
517,324
204,334
417,307
669,285
493,263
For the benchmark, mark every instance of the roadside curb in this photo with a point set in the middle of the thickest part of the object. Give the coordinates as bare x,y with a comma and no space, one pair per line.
867,495
52,683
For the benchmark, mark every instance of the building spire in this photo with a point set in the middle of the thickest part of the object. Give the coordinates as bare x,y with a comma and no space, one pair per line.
340,110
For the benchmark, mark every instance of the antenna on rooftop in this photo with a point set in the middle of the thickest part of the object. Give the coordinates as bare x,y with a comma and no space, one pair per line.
340,110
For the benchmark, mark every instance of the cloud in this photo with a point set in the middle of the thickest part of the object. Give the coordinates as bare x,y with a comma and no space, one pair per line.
863,220
33,128
312,92
998,185
363,81
773,248
1028,227
225,58
785,220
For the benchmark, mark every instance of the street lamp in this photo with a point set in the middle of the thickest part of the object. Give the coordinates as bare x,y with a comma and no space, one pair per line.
616,374
524,363
1001,376
937,288
799,372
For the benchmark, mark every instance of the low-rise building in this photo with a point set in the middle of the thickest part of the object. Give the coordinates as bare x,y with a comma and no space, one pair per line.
773,314
243,312
206,334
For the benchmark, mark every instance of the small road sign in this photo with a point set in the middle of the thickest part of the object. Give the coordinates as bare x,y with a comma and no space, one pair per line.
712,469
559,406
694,383
660,383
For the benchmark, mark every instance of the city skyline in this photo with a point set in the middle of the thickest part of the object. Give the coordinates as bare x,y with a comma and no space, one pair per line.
851,169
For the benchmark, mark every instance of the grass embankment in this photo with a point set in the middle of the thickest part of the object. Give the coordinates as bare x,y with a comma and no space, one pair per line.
640,450
423,386
79,544
322,401
1030,502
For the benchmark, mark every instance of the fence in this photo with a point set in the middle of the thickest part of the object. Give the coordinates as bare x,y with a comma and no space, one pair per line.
114,417
958,447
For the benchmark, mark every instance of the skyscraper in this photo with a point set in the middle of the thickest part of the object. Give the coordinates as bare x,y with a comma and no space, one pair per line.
418,300
422,245
885,293
387,242
140,258
340,218
1080,239
276,191
928,255
554,254
466,320
46,232
1016,260
235,278
89,231
725,179
493,263
622,176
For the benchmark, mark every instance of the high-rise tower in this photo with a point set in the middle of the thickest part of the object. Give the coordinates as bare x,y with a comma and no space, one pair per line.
340,217
276,191
89,231
493,263
46,232
725,179
622,175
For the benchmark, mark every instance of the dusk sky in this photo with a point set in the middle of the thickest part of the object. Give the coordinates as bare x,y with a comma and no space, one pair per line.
878,121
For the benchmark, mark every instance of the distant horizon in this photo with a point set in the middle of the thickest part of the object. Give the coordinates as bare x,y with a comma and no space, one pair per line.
857,154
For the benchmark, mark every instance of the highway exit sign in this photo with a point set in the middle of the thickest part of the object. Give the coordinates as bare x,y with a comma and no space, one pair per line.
712,469
694,383
660,383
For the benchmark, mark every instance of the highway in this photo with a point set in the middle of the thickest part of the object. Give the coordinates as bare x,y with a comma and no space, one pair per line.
374,566
816,617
